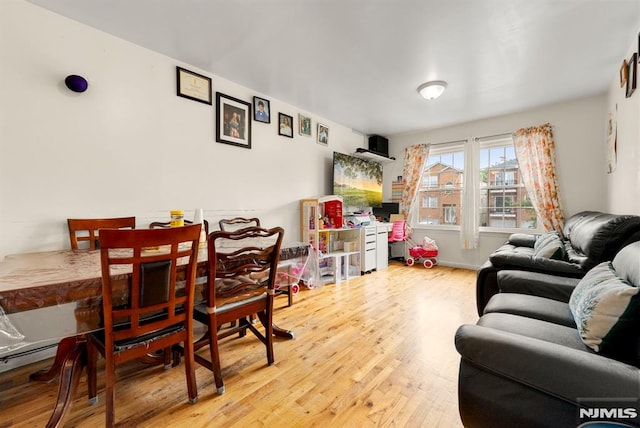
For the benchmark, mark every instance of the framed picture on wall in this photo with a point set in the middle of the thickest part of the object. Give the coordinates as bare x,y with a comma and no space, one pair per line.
285,125
304,125
632,75
624,69
261,110
233,121
323,134
193,86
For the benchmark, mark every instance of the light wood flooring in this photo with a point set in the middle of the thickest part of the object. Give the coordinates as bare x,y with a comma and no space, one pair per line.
376,351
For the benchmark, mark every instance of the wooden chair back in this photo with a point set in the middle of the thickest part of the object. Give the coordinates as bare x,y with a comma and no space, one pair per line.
245,263
231,224
86,229
243,266
149,309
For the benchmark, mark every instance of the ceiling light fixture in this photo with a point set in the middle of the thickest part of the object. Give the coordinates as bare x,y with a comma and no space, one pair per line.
432,90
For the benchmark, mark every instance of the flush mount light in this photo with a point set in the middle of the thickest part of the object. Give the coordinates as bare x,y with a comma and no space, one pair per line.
432,90
76,83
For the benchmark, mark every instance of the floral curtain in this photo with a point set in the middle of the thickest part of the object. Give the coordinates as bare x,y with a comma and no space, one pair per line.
414,159
536,153
470,220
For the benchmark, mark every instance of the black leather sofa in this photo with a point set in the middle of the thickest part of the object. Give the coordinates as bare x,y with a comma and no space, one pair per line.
527,363
590,237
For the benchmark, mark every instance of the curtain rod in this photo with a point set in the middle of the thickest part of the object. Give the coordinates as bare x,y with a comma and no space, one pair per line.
505,134
448,142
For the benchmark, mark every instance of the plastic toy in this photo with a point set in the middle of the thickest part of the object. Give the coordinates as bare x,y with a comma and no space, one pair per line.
426,254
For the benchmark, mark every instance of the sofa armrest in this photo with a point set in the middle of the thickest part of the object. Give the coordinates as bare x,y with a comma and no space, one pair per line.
507,260
551,368
539,284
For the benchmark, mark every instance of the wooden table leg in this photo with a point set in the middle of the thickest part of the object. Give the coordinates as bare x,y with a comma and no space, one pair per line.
71,369
281,332
64,349
277,331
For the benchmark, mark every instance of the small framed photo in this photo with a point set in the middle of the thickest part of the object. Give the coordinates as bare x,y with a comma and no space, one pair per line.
233,121
193,86
304,125
323,134
261,109
624,70
286,123
632,75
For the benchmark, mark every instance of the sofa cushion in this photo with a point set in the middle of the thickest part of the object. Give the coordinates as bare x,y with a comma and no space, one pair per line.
627,263
553,287
605,308
550,246
535,307
599,236
536,329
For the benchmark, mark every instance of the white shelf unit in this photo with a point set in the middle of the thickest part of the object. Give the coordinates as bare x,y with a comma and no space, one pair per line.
337,263
337,249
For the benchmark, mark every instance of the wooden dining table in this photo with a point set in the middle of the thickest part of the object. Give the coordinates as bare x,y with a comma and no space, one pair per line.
55,295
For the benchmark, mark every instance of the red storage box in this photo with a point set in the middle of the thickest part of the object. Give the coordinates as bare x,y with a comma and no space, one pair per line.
333,210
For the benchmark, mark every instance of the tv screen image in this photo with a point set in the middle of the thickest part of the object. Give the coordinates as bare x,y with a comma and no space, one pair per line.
358,181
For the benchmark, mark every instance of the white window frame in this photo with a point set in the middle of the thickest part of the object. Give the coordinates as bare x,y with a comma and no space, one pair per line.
414,215
493,142
441,149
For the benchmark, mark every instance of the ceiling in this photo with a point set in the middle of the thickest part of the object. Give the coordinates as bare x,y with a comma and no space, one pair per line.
359,62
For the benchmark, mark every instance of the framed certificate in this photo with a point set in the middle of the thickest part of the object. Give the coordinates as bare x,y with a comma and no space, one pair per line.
193,86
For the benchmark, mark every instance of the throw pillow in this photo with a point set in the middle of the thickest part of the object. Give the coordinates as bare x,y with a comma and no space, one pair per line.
522,240
550,246
605,308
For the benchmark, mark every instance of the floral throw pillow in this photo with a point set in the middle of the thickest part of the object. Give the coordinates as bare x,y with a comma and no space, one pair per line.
605,308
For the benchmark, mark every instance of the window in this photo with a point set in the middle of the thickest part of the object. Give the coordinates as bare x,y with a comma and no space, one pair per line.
430,181
449,214
504,202
430,202
442,187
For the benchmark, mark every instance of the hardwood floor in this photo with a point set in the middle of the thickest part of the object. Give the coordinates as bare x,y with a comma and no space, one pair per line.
376,351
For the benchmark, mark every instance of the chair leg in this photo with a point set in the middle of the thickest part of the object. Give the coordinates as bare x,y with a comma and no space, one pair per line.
110,395
215,358
92,373
266,318
269,331
168,358
189,364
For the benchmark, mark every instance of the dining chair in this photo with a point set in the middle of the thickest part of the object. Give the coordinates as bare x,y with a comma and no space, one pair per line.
86,229
152,310
167,224
231,224
237,223
242,273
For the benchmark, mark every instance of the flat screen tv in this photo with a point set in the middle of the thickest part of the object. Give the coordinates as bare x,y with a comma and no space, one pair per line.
358,181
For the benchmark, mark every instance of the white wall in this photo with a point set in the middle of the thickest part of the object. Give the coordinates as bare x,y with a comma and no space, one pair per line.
579,131
129,145
623,184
